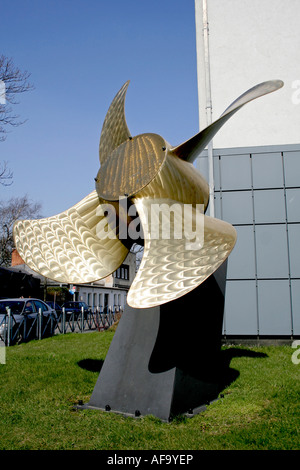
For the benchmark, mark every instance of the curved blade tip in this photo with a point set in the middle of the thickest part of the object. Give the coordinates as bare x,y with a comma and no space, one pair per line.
276,84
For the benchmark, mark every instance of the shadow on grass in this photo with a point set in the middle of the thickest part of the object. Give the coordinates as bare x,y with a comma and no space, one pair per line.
191,388
229,375
92,365
226,373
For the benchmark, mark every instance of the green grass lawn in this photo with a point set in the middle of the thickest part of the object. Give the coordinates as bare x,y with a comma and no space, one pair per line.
42,380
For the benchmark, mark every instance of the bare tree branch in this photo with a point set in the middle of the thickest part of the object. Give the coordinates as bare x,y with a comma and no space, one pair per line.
5,175
15,82
138,250
10,211
12,82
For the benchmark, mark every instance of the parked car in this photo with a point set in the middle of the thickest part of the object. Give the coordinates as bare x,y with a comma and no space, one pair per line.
24,318
55,306
76,308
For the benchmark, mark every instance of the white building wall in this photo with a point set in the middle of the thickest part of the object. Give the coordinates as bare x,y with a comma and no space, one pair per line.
94,296
252,41
111,291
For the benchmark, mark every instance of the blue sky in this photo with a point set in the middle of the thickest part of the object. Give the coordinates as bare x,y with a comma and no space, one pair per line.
79,54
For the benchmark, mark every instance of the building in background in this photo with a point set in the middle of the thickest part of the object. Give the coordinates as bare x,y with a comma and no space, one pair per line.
251,41
256,157
106,294
110,292
18,284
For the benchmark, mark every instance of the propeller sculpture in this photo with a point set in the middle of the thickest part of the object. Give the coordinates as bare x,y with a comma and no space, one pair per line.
83,244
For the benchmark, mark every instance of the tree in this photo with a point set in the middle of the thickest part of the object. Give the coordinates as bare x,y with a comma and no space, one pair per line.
138,250
10,211
13,82
5,175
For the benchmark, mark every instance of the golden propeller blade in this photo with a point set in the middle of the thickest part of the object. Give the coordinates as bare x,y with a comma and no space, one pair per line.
114,131
77,246
182,247
83,244
145,164
177,258
191,149
147,170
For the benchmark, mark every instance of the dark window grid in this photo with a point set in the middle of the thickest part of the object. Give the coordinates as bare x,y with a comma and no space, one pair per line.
122,272
254,224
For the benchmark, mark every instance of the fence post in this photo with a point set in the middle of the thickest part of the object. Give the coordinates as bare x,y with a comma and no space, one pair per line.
51,324
8,326
82,319
40,323
63,320
24,327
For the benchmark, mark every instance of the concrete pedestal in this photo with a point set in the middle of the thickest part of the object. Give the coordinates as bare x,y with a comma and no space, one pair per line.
165,361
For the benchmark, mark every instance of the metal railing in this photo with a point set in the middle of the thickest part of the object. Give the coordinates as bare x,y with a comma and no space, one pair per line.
20,328
95,319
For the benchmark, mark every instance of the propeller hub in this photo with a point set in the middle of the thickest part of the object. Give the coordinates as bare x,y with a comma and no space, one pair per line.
131,166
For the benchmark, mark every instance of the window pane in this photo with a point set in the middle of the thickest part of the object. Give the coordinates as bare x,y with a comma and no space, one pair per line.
291,168
267,170
237,207
294,238
296,302
293,204
240,308
235,172
274,307
272,255
269,206
241,261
